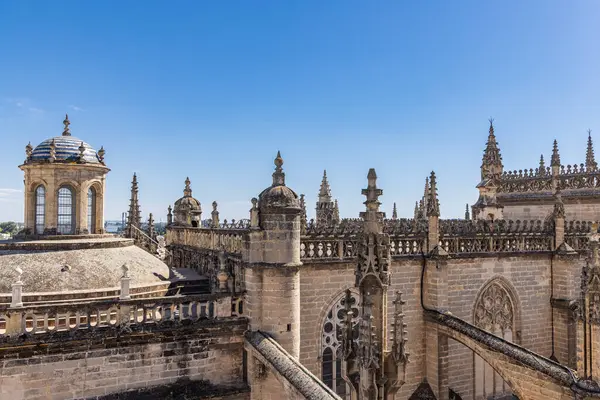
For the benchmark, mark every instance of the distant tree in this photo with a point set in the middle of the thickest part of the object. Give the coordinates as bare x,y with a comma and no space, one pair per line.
9,227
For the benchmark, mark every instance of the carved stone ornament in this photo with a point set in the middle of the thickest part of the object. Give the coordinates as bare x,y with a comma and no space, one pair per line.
494,309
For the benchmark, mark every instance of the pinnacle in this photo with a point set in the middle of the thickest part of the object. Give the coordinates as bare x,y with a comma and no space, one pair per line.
555,161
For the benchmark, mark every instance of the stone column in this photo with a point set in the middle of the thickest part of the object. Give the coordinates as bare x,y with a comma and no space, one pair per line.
81,215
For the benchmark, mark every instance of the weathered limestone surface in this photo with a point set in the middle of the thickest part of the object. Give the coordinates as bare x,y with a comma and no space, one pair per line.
108,362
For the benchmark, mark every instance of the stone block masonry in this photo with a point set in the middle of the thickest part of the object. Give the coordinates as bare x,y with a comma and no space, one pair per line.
109,362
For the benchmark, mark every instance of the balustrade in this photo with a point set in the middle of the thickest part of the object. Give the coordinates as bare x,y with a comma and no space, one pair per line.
116,313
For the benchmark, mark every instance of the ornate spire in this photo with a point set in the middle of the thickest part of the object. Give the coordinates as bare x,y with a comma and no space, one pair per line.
416,212
134,217
425,195
327,212
187,191
467,214
169,215
433,204
394,212
151,226
372,216
491,165
324,191
336,212
66,122
303,222
542,167
278,175
590,160
555,161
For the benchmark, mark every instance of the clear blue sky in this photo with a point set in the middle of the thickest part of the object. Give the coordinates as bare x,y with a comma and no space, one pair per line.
211,90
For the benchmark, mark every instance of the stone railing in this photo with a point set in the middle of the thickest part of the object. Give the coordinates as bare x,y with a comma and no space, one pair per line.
123,314
228,240
461,227
142,239
540,180
498,243
233,224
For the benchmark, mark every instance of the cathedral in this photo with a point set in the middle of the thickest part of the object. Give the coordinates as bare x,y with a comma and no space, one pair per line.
501,304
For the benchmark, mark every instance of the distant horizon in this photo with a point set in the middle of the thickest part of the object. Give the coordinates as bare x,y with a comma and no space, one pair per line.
212,92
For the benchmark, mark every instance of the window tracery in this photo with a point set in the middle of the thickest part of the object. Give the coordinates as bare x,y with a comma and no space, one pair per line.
331,347
494,312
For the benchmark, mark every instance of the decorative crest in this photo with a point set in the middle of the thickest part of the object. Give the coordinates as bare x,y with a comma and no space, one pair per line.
278,175
590,160
66,122
187,191
555,161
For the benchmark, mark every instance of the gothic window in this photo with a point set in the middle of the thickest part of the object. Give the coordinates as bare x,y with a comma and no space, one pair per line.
92,210
66,211
40,209
331,348
494,312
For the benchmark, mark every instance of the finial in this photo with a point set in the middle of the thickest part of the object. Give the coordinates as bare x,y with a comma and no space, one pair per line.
66,122
81,152
215,215
125,269
416,212
187,191
52,151
590,160
491,125
134,181
278,175
214,205
372,216
101,154
467,214
433,205
28,151
542,167
254,202
394,212
555,161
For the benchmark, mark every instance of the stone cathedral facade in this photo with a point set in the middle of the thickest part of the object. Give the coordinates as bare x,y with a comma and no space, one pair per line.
503,303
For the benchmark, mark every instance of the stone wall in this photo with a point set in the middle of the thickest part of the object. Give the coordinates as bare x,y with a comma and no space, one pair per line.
107,362
528,279
574,211
527,276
